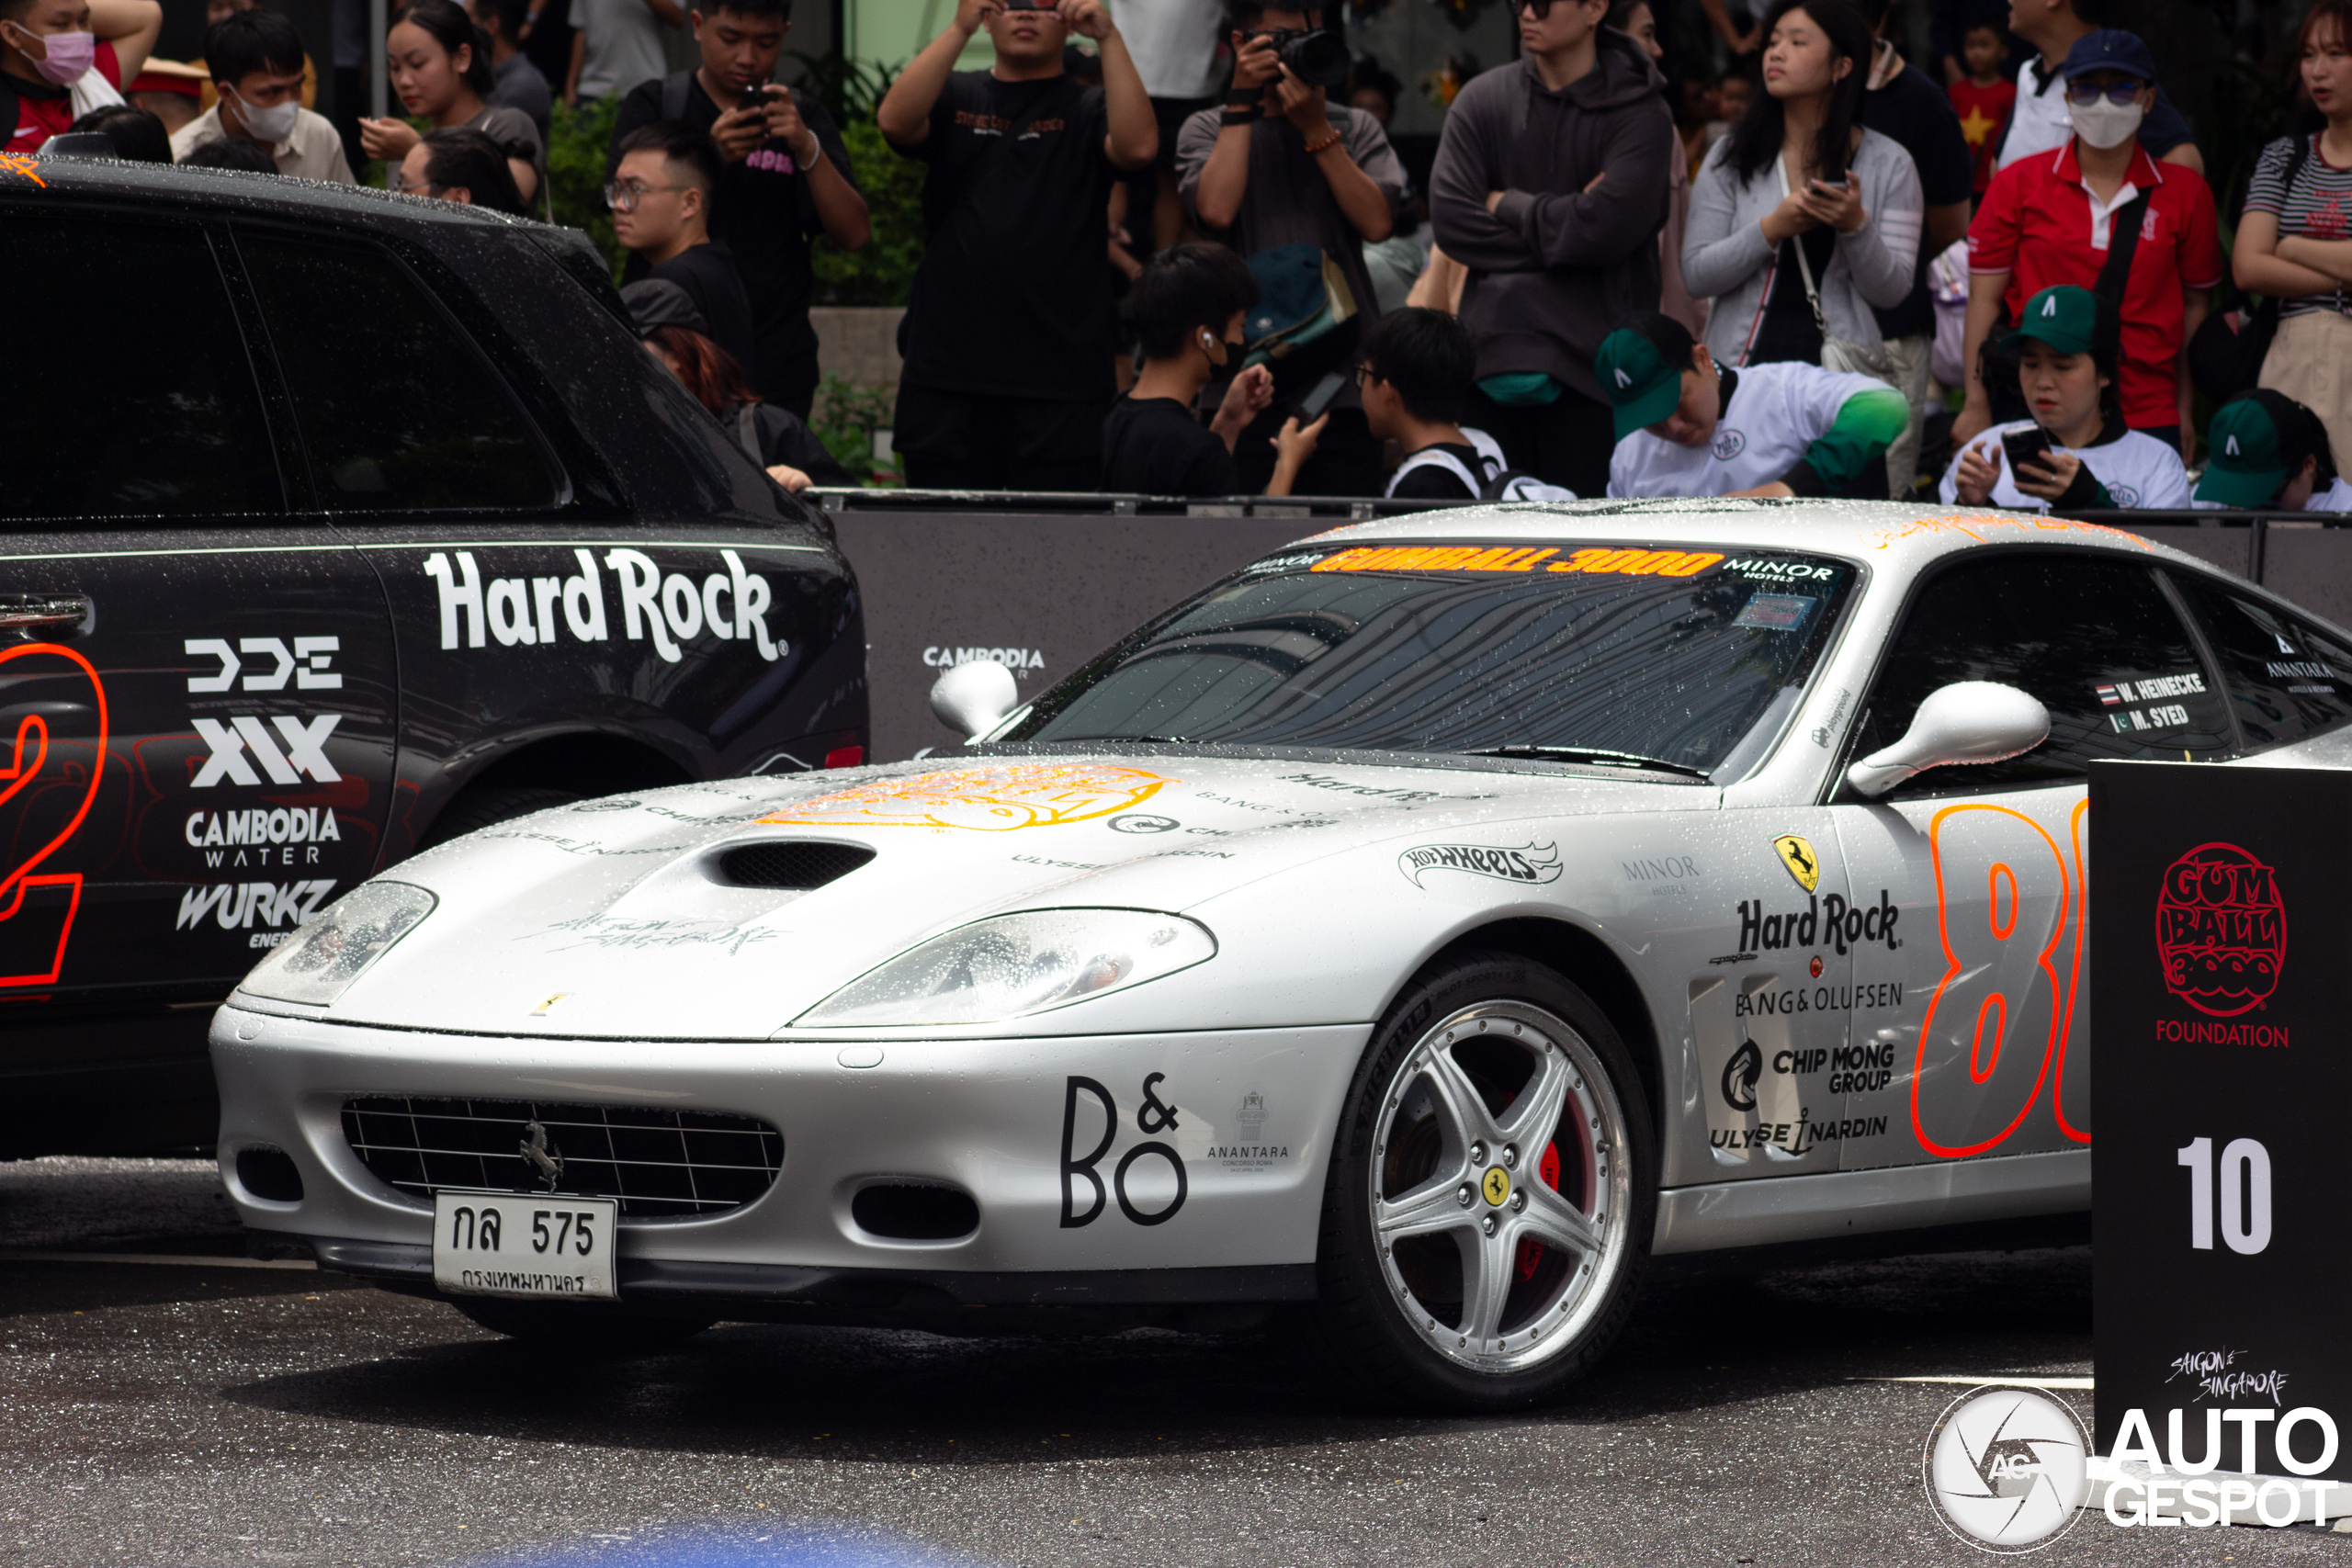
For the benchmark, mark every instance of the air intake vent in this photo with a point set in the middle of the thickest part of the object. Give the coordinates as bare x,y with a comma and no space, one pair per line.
660,1163
791,863
905,1211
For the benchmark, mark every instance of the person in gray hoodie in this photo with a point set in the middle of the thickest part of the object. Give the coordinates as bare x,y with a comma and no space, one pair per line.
1550,186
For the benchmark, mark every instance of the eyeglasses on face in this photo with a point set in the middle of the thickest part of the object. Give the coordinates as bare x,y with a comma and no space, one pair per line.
1539,9
623,195
2084,94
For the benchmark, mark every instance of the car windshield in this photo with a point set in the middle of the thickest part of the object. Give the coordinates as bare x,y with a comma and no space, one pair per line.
1685,660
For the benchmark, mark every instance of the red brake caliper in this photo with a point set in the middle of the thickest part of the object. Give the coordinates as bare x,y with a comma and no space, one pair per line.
1531,1253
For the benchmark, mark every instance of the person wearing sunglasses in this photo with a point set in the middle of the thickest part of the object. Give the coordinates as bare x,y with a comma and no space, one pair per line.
1550,185
2041,121
2101,212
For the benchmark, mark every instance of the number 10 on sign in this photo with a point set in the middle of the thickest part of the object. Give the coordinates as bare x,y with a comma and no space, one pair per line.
2245,1199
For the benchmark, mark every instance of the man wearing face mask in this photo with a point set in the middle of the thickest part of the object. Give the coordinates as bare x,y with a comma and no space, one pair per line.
256,58
2100,213
61,59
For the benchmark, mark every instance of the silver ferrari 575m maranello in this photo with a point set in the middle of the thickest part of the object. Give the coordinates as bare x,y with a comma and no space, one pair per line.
1426,926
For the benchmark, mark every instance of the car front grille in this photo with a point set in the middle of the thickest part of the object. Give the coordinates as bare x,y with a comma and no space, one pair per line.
658,1163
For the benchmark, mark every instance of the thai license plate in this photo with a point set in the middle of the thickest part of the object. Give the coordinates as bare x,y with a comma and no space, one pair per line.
536,1245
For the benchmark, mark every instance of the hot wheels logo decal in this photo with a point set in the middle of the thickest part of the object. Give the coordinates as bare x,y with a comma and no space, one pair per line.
2221,930
1527,862
988,800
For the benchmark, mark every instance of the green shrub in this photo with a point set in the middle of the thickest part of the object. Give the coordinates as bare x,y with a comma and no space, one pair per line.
884,271
578,141
845,417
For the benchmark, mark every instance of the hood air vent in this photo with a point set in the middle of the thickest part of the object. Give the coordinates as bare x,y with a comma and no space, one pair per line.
799,866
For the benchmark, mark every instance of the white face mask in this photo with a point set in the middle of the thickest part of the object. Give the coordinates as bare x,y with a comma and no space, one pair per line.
273,124
2106,123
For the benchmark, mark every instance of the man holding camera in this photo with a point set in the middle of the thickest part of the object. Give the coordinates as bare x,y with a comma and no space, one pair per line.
1008,334
784,176
1279,165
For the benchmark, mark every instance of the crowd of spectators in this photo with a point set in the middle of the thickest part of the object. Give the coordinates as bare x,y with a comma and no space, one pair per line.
1169,247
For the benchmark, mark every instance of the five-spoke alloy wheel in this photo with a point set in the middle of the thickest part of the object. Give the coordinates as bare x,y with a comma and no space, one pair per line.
1493,1187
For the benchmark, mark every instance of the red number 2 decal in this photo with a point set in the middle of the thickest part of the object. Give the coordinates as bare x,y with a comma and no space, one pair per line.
33,907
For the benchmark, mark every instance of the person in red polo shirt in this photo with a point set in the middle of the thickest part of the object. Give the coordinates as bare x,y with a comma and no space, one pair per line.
2047,219
54,52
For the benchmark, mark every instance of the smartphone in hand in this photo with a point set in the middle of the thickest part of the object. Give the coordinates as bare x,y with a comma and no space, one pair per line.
1320,396
2023,446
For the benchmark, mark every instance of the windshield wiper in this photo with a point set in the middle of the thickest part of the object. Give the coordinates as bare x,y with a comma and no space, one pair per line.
1146,739
1593,756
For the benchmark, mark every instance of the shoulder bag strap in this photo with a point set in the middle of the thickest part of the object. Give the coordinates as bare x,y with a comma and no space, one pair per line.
747,430
2122,244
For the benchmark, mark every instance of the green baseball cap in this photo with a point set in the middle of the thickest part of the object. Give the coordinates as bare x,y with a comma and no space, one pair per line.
2245,461
1642,373
2064,317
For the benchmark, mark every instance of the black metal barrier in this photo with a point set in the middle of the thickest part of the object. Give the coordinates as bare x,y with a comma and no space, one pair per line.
1042,581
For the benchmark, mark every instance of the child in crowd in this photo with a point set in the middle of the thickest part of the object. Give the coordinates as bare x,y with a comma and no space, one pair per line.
1417,371
2268,452
1984,99
1187,306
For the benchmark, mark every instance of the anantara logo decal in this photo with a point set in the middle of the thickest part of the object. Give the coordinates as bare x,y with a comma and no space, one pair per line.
1797,855
2221,930
1526,862
671,609
988,800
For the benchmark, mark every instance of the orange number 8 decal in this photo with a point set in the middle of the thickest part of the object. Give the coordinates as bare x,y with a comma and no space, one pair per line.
2004,1007
37,791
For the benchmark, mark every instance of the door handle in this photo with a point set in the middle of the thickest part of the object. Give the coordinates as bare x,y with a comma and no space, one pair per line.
35,612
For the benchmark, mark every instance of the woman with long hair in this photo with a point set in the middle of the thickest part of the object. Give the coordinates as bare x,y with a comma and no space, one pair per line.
1800,186
440,67
2294,240
771,436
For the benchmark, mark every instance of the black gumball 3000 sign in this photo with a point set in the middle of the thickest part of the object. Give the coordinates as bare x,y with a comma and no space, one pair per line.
2221,926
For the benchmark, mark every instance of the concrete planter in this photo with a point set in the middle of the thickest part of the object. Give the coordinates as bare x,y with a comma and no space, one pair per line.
860,342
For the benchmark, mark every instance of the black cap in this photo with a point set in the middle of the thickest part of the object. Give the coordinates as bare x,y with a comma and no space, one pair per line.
658,302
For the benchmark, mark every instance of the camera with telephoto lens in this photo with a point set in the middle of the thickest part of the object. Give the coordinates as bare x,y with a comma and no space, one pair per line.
1314,55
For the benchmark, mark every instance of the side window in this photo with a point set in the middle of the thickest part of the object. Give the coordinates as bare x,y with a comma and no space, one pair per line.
138,399
2094,640
398,411
2287,681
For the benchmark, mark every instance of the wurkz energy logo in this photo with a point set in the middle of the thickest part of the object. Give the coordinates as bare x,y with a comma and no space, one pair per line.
2221,930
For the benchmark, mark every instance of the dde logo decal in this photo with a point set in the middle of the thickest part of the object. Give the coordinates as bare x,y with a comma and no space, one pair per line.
2221,930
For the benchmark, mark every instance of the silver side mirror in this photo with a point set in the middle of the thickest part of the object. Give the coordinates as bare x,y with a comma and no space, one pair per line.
1968,721
971,697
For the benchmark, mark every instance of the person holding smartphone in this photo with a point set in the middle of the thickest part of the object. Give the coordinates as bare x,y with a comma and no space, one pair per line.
784,177
1800,186
2075,453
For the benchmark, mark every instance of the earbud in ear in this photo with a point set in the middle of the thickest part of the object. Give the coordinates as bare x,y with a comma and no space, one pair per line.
1206,342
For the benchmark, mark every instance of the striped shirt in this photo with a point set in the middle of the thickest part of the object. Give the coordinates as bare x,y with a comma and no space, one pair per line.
2318,205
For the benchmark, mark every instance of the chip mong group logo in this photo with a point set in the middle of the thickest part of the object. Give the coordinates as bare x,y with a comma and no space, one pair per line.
2221,930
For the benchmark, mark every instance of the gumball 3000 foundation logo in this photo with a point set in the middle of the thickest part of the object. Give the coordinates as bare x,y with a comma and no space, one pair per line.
2221,930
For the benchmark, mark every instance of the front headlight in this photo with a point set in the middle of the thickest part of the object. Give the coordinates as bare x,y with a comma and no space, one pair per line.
1014,965
318,963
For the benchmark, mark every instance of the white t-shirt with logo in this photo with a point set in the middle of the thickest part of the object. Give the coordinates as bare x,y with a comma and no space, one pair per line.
2336,497
2137,470
1775,413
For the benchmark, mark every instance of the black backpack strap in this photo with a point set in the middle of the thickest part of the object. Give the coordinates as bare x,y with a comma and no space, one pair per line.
674,95
2115,275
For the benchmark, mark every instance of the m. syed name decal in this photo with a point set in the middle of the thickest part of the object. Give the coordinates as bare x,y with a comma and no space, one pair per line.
730,604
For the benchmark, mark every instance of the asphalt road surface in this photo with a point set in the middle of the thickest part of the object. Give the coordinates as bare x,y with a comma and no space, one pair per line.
174,1414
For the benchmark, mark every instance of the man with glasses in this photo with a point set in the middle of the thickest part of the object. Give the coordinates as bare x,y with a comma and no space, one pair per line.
1550,186
660,201
2101,212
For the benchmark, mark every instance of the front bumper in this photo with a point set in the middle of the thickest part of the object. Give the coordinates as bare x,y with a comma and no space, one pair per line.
1211,1179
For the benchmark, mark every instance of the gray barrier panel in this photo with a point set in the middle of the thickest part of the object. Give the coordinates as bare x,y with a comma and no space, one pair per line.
1040,584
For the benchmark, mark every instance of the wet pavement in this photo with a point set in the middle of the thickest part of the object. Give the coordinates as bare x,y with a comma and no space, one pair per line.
163,1413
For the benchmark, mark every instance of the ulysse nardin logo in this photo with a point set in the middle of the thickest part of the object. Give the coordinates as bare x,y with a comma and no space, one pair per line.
2221,930
2008,1469
1526,862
